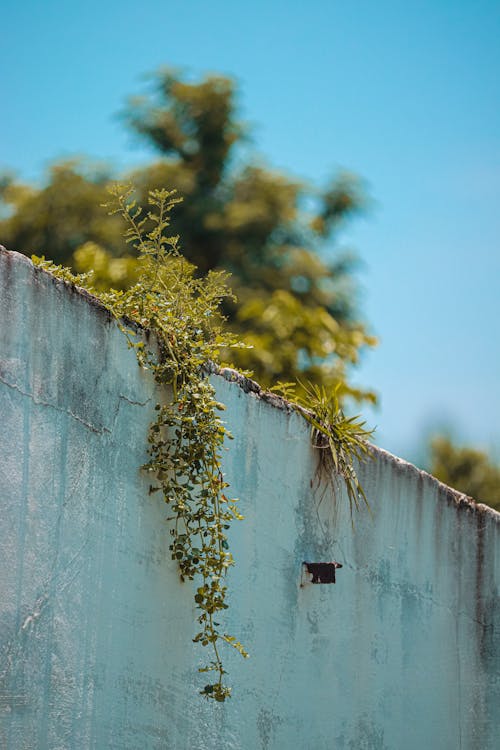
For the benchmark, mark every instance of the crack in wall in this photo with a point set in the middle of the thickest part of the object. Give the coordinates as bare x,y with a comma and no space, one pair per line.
69,413
40,402
135,403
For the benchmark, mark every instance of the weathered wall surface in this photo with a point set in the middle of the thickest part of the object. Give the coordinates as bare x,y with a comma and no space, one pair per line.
95,651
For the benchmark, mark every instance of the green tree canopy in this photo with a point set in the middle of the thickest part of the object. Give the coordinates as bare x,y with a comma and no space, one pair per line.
467,469
297,309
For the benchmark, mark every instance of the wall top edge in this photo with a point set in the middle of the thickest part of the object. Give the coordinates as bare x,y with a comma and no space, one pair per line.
252,388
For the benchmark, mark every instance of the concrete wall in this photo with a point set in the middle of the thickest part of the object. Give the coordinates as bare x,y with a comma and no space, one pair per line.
95,627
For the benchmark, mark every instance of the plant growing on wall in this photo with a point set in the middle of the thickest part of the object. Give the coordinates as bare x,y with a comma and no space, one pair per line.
340,439
186,438
181,314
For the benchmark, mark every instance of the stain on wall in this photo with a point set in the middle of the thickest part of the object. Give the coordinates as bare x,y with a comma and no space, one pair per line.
95,649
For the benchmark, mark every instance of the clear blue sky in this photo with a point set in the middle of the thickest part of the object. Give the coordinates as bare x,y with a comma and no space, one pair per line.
404,94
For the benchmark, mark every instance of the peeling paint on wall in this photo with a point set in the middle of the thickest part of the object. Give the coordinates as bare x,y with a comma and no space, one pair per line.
403,652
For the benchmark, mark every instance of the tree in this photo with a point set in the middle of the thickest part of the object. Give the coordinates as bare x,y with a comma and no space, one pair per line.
294,308
467,469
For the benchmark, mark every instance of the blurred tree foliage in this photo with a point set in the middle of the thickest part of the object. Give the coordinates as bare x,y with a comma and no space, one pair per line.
466,469
296,309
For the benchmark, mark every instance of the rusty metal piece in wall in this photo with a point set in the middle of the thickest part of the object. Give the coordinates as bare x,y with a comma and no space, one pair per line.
322,572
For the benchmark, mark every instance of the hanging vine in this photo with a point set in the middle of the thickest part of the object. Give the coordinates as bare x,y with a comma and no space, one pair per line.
186,438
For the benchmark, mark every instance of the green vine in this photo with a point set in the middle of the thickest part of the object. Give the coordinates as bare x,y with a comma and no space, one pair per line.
182,312
187,436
